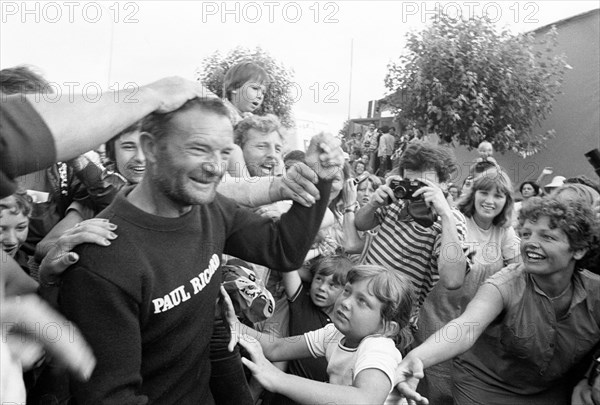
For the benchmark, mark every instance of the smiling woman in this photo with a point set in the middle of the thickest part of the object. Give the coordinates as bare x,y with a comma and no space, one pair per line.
530,323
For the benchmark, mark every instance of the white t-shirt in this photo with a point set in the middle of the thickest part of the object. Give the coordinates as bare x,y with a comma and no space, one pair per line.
344,363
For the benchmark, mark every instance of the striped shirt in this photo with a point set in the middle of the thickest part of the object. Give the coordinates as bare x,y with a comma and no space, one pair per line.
412,249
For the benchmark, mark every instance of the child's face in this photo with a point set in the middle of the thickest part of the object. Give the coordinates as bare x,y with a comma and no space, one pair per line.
364,191
324,290
13,231
357,313
249,97
486,150
546,251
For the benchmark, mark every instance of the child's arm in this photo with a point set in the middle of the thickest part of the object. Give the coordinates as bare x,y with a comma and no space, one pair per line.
291,283
371,386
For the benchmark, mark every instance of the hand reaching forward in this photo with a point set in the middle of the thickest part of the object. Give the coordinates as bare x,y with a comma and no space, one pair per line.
408,373
262,369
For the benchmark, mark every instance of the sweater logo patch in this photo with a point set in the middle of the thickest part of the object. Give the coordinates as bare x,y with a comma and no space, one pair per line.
179,294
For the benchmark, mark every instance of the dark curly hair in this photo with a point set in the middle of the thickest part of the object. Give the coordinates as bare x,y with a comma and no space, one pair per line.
574,218
420,156
536,187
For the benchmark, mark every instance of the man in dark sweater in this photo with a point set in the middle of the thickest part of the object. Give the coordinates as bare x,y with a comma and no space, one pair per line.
146,303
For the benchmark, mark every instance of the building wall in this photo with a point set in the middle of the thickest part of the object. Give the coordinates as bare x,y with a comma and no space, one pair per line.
576,112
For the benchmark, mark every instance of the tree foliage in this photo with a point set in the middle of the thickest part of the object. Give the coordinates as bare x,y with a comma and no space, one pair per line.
277,98
467,82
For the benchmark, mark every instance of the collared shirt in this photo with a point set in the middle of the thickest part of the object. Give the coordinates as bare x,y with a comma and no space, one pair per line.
527,350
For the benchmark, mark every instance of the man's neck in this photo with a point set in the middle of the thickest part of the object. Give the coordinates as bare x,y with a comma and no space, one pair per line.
146,197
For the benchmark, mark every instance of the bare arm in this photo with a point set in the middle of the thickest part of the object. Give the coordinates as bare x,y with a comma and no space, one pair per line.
79,125
371,386
365,217
481,311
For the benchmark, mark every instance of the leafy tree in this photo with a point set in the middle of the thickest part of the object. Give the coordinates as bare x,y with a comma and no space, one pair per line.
467,82
277,98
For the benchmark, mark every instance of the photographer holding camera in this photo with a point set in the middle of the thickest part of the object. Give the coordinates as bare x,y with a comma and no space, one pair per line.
420,235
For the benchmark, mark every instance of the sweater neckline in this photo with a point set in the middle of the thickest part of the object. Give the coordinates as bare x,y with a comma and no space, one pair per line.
125,209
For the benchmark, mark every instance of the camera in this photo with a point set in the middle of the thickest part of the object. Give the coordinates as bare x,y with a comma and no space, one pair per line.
404,189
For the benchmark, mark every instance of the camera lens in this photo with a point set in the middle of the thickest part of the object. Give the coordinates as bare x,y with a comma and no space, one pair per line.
400,192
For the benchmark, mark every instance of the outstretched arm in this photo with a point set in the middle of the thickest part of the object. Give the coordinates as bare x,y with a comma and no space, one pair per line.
481,311
78,125
371,386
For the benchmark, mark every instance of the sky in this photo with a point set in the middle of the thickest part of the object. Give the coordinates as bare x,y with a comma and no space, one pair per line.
338,50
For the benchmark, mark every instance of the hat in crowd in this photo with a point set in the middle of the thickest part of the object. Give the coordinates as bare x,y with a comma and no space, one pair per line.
557,181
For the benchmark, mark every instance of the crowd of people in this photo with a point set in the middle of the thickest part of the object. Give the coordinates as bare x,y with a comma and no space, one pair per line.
194,258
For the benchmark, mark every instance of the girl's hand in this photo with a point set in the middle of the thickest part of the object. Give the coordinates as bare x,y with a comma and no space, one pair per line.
265,373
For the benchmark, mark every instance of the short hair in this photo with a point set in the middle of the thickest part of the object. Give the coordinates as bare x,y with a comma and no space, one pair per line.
265,124
396,293
425,156
385,129
337,266
110,144
241,73
574,218
487,180
158,124
22,80
17,203
536,187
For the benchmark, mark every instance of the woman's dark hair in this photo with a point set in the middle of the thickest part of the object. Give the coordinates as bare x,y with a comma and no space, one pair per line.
536,187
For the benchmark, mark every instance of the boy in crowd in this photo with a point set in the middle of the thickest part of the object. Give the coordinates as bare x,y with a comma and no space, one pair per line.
425,250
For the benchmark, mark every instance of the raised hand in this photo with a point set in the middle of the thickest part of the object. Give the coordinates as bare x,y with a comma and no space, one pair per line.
325,156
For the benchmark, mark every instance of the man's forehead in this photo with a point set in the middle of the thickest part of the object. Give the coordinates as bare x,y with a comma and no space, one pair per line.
255,134
200,122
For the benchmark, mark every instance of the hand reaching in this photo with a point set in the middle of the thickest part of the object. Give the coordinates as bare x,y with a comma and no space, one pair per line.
262,369
60,256
408,374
